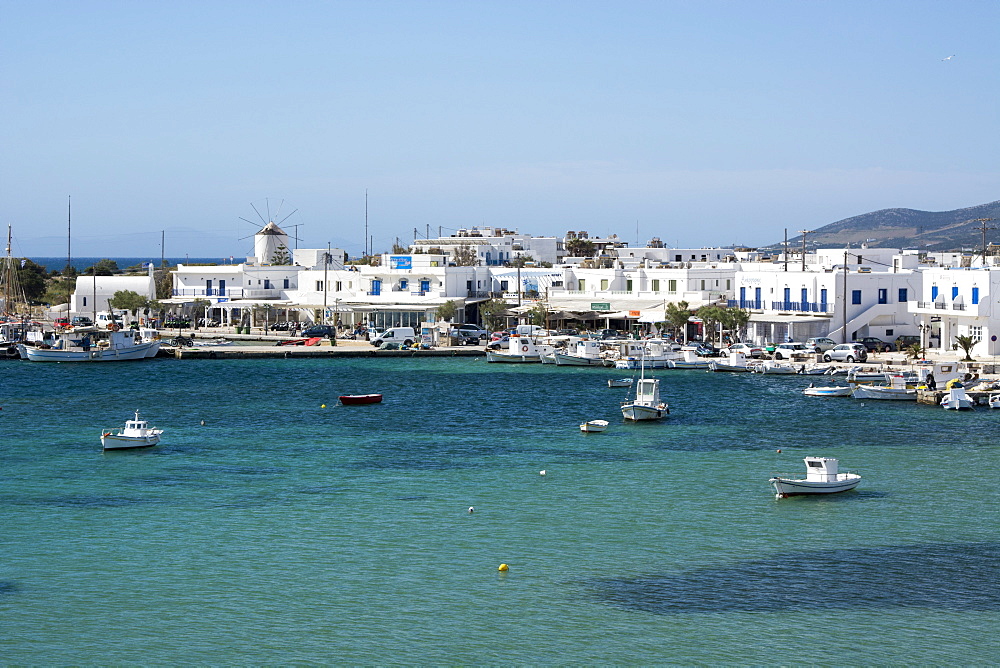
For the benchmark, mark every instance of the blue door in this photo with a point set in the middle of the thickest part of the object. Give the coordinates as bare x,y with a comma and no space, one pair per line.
822,300
222,287
787,298
743,297
805,300
376,286
208,287
424,286
756,297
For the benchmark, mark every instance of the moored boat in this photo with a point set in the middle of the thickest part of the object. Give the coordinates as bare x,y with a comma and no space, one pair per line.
594,426
957,398
620,382
91,345
358,399
822,477
828,391
136,434
897,390
646,404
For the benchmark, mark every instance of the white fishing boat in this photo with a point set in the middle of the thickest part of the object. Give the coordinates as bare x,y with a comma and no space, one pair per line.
520,350
769,366
91,345
734,361
994,400
828,391
689,360
822,477
586,353
136,434
957,398
646,404
594,426
897,390
620,382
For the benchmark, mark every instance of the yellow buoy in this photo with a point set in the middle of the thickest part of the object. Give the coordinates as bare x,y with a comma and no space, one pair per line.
322,405
503,568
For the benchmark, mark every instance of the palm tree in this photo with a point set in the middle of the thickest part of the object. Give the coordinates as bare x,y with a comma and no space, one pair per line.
966,343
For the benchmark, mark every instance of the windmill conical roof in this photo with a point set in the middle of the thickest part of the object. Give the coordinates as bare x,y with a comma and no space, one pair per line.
271,228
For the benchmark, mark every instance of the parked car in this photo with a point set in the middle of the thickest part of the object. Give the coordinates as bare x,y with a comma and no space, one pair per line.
82,321
846,352
605,334
467,330
791,351
874,344
746,349
820,344
61,322
403,335
320,330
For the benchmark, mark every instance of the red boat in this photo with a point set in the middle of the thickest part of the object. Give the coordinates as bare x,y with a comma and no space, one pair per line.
356,399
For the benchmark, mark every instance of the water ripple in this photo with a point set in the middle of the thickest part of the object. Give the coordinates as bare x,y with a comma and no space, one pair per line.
959,576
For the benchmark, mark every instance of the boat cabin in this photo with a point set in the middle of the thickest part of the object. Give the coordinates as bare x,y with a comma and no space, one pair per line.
821,469
647,391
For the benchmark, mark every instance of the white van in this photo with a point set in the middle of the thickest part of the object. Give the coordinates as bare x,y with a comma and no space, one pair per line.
104,318
528,330
403,335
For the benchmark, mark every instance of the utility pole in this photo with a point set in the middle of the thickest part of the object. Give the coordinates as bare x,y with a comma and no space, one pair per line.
843,337
804,233
786,249
982,227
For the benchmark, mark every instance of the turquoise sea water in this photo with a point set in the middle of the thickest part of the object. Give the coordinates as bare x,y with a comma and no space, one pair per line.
284,532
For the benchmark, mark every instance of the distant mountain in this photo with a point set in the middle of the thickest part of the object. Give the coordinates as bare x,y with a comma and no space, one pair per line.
909,228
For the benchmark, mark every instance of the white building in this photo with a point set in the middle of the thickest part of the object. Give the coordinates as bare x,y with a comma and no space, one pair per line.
93,292
958,301
842,301
492,246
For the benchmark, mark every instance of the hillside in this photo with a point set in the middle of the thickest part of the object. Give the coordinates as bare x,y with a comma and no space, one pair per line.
909,228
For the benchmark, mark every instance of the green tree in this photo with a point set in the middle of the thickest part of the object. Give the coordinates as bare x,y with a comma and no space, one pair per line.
580,247
966,343
32,278
198,307
735,320
677,315
103,268
127,299
164,284
538,314
281,256
465,256
491,312
917,351
447,311
711,316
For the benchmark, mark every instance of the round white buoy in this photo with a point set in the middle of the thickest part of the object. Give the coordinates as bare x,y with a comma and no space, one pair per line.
542,472
472,509
202,423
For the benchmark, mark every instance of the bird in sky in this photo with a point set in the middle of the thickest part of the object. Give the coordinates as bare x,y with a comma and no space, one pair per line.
948,58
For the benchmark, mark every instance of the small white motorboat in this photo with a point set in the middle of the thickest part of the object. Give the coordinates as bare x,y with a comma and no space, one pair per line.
957,398
594,426
776,368
829,391
994,400
136,434
620,382
822,477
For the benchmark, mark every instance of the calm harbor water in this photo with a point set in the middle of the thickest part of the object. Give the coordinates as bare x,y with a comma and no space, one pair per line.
280,531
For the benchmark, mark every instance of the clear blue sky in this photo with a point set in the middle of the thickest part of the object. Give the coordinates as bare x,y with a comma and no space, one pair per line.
701,123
